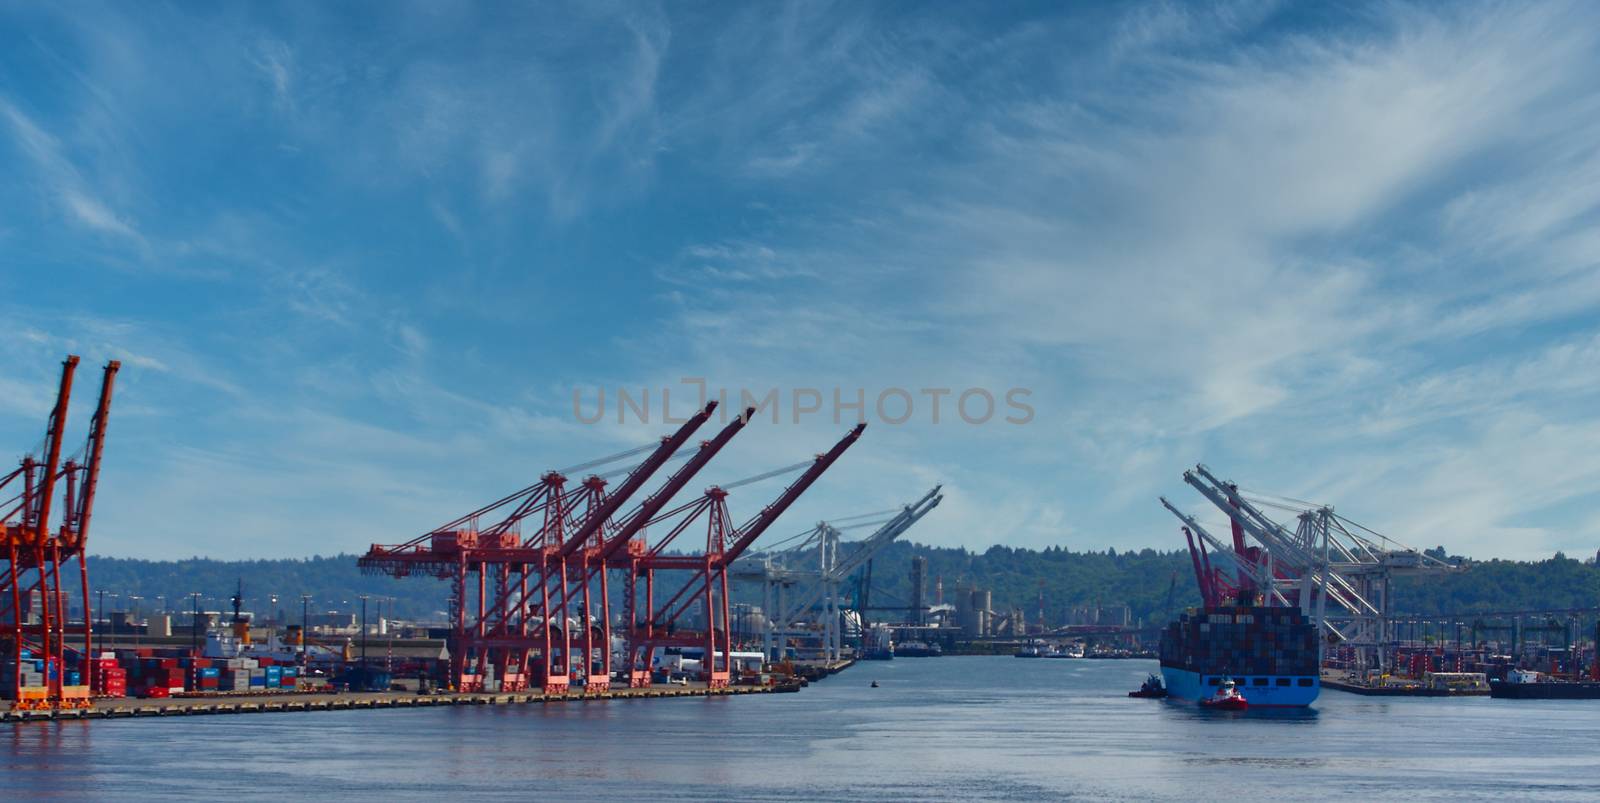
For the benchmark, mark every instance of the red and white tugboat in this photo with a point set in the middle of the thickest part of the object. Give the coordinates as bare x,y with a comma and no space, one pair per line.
1227,698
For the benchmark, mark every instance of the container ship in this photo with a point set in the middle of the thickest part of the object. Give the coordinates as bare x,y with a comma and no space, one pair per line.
1270,652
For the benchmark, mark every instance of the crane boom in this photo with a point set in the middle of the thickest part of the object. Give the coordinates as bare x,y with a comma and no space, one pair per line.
653,504
96,447
759,524
870,546
908,516
53,433
608,506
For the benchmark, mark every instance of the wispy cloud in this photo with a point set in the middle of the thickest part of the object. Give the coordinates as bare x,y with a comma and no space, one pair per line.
60,178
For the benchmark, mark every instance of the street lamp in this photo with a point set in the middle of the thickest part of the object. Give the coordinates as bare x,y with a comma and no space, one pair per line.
194,628
305,627
134,598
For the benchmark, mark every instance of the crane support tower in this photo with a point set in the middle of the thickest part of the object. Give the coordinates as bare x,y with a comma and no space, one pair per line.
34,629
805,603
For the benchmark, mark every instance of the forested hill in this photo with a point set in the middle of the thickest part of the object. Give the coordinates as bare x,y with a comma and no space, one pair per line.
334,583
1016,577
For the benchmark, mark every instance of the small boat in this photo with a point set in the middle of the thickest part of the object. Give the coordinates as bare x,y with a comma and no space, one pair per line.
874,684
1151,688
917,649
1227,698
1030,651
1071,650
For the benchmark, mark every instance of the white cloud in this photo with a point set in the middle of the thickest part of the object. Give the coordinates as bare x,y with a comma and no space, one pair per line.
62,178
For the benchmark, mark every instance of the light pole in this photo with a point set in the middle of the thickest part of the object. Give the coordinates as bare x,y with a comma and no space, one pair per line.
305,622
363,637
388,638
194,627
134,598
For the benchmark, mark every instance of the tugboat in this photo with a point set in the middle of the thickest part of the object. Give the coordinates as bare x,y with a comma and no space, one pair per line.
1227,698
1151,688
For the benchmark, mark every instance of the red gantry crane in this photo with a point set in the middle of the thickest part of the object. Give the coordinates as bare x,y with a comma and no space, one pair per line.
514,596
33,605
502,582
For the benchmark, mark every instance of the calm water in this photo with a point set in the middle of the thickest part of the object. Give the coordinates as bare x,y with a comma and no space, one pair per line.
939,728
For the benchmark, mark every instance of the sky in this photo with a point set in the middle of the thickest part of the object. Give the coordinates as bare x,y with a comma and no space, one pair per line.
358,260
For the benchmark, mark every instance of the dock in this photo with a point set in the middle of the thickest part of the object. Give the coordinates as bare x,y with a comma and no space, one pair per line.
1341,683
123,708
348,701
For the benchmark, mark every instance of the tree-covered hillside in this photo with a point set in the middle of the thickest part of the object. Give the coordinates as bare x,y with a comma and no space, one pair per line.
1015,577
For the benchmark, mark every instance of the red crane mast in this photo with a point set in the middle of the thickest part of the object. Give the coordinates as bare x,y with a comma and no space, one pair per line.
30,582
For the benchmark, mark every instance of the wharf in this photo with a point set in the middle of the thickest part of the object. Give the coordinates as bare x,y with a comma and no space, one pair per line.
808,671
290,701
1339,684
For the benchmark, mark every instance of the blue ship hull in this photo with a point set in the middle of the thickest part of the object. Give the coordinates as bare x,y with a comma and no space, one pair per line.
1274,693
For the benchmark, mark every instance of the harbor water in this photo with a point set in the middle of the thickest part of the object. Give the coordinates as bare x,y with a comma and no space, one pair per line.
951,728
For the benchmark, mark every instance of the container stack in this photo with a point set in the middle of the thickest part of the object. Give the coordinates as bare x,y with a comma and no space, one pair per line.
207,678
107,678
151,673
1242,640
145,672
30,684
235,675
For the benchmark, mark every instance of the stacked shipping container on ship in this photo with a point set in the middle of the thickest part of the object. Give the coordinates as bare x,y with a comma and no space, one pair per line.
1271,652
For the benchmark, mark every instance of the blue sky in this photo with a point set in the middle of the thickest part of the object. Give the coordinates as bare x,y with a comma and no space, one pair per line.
357,259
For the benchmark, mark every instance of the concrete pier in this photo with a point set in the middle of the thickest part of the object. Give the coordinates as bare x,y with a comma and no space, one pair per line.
292,701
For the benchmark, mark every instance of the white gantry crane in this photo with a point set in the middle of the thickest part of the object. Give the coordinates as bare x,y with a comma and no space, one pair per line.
807,602
1338,572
